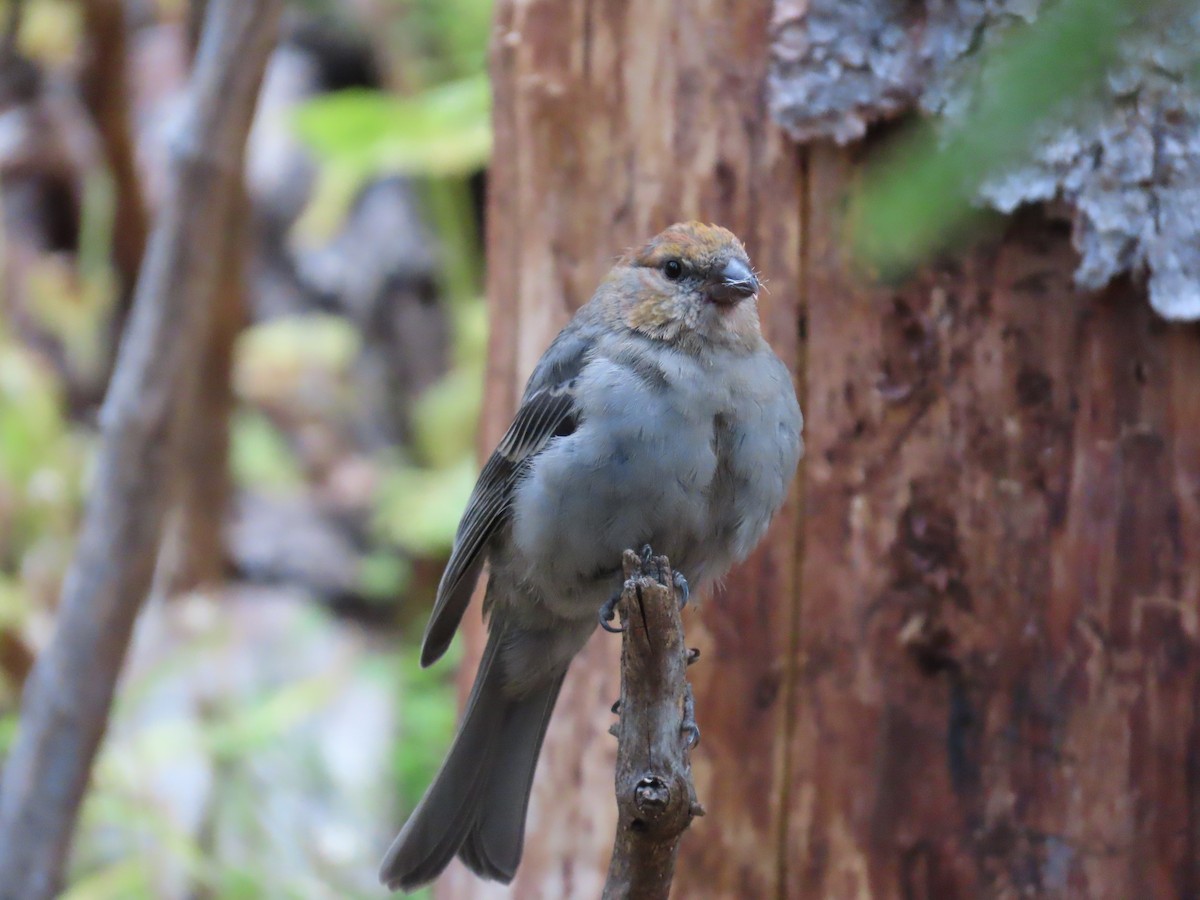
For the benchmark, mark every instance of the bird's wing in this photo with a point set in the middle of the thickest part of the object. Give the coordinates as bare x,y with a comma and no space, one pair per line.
547,410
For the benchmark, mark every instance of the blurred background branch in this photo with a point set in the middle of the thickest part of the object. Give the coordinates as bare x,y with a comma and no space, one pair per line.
68,694
325,446
193,550
105,84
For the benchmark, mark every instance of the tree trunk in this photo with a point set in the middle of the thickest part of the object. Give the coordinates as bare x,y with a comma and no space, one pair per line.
972,669
1000,690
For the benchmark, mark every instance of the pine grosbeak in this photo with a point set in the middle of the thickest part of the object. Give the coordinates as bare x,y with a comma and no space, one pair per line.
658,416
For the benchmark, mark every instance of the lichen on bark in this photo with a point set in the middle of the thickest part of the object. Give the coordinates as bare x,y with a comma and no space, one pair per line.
1125,158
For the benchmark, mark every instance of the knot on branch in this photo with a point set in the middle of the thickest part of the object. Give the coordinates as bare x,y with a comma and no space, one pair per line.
658,811
656,798
652,795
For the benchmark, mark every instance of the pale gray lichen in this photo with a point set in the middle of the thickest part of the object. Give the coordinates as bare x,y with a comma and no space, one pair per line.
838,66
1127,162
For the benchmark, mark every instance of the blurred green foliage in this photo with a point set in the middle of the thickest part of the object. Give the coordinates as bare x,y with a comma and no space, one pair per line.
248,764
920,196
422,500
50,29
437,131
43,462
440,134
443,130
420,508
292,375
70,299
428,722
447,413
299,362
43,459
446,39
44,453
259,455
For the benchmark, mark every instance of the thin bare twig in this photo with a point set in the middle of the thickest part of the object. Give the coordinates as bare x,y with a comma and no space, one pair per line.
656,799
193,551
194,546
68,695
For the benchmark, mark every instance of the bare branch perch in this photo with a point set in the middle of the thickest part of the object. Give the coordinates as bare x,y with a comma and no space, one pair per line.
67,698
656,799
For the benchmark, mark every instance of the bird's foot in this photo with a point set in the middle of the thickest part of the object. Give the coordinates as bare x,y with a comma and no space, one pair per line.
689,726
614,728
677,577
681,585
608,612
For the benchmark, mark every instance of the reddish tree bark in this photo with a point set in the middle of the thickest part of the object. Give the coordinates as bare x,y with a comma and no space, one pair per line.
974,668
1000,688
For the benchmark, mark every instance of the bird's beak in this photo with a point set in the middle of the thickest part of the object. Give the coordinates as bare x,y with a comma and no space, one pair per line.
732,284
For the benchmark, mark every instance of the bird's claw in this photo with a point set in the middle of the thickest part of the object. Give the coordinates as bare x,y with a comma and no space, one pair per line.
689,726
608,612
615,728
677,578
681,585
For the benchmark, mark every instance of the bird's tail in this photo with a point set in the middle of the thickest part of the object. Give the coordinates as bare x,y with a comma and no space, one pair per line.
477,803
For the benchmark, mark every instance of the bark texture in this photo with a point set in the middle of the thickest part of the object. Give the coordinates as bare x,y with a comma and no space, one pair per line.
974,669
999,650
1124,152
68,694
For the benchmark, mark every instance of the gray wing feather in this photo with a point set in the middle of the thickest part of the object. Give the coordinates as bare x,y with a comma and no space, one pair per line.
547,410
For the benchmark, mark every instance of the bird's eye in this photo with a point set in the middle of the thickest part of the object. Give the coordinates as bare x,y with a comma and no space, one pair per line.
673,269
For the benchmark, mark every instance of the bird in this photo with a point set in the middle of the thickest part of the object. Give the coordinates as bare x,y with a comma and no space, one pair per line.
658,416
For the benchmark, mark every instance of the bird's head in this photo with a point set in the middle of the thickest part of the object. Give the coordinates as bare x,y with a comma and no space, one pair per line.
690,285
